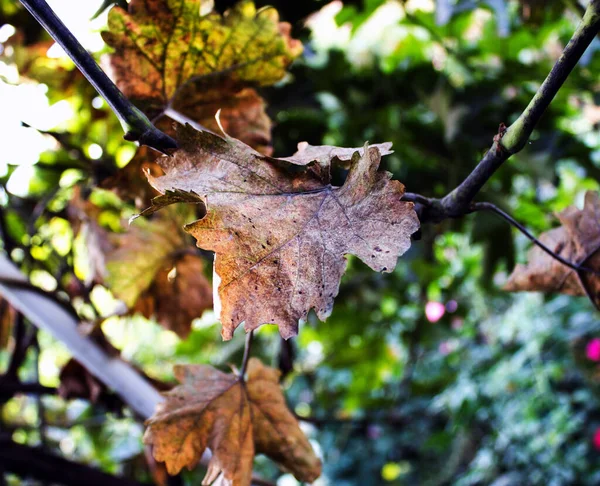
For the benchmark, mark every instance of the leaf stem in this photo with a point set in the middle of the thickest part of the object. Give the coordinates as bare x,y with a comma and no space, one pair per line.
486,206
515,137
247,349
136,125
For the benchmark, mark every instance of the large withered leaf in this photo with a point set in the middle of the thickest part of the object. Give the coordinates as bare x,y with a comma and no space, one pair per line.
152,270
232,417
172,53
577,241
280,231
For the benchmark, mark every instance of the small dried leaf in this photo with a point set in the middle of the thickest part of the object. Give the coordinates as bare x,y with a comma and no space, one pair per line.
151,270
77,382
577,241
179,294
280,235
232,417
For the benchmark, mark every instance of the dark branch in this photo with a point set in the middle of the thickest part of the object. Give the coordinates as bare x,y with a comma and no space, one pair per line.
29,462
9,389
136,125
511,140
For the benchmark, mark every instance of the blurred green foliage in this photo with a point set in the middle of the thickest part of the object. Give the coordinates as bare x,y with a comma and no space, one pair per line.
499,389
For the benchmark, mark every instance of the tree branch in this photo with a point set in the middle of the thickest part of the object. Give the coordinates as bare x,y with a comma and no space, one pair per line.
511,140
136,125
11,388
30,462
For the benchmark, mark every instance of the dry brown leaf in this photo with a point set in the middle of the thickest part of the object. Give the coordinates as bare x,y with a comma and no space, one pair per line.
235,419
174,53
152,270
281,232
577,241
327,155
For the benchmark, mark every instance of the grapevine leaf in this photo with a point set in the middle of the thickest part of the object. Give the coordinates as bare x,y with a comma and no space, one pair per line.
151,270
235,418
577,241
281,235
173,53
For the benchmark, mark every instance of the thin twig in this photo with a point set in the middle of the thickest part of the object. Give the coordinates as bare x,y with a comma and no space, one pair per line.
136,125
417,198
181,118
247,349
486,206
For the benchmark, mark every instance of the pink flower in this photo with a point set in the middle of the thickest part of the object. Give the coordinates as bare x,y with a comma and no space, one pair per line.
592,350
596,439
435,310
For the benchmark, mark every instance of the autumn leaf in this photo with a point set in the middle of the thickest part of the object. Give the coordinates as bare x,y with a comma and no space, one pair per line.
280,231
235,419
172,53
7,319
577,241
152,271
91,242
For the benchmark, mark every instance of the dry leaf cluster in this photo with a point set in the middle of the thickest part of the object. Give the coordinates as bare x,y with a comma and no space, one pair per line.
235,418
